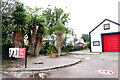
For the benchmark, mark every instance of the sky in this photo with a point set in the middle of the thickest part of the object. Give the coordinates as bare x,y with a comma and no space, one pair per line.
84,14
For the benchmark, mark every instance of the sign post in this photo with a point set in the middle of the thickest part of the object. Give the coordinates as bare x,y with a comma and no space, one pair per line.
26,60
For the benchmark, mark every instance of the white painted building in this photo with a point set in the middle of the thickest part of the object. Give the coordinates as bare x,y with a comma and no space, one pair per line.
105,37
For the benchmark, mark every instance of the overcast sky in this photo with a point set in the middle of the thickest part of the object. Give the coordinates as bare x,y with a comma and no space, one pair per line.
84,14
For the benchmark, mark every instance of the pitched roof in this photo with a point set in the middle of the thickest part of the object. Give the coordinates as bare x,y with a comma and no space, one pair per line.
80,41
102,22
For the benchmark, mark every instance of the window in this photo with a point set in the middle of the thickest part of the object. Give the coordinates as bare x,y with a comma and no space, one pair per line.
96,43
106,26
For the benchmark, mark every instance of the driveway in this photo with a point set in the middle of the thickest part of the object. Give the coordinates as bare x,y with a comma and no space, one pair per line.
88,67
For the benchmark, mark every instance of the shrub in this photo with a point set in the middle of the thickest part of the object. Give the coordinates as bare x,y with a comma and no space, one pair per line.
47,46
5,50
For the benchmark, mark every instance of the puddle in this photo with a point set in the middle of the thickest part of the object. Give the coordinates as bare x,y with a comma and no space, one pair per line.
87,58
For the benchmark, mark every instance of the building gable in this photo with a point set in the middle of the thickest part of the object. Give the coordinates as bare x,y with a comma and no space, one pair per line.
102,23
106,27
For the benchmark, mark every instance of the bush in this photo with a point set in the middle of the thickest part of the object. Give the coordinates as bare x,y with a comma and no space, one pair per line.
68,48
47,46
77,48
5,50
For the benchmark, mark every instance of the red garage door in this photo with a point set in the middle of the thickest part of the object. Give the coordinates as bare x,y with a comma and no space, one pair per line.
111,42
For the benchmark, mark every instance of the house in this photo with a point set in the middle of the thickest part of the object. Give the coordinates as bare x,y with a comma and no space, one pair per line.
105,37
81,43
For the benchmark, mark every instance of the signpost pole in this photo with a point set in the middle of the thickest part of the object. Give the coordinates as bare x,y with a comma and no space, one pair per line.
26,60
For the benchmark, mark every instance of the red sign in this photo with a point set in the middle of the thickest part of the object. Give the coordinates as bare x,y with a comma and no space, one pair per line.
21,53
17,52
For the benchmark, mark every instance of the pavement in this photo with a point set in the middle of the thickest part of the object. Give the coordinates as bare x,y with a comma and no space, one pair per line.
42,63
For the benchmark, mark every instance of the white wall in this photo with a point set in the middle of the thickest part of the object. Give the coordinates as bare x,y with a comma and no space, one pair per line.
96,35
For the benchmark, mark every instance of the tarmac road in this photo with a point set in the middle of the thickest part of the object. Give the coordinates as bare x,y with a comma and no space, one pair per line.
6,76
88,67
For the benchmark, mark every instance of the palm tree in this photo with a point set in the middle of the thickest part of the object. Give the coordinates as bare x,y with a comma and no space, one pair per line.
19,21
59,30
56,20
36,29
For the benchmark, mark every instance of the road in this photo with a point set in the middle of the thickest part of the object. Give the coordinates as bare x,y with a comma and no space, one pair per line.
5,77
88,67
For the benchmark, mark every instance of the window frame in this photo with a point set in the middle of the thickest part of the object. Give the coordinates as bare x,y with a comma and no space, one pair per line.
106,28
98,43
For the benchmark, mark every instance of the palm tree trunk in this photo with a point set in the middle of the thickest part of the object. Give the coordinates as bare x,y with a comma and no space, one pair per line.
32,41
18,39
59,52
59,43
38,45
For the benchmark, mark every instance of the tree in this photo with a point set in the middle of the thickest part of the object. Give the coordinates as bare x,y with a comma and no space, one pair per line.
60,30
65,38
70,32
13,14
18,27
36,30
75,38
50,21
56,20
85,37
61,19
7,10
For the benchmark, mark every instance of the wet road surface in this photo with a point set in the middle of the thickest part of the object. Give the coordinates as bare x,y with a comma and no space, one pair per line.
88,67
